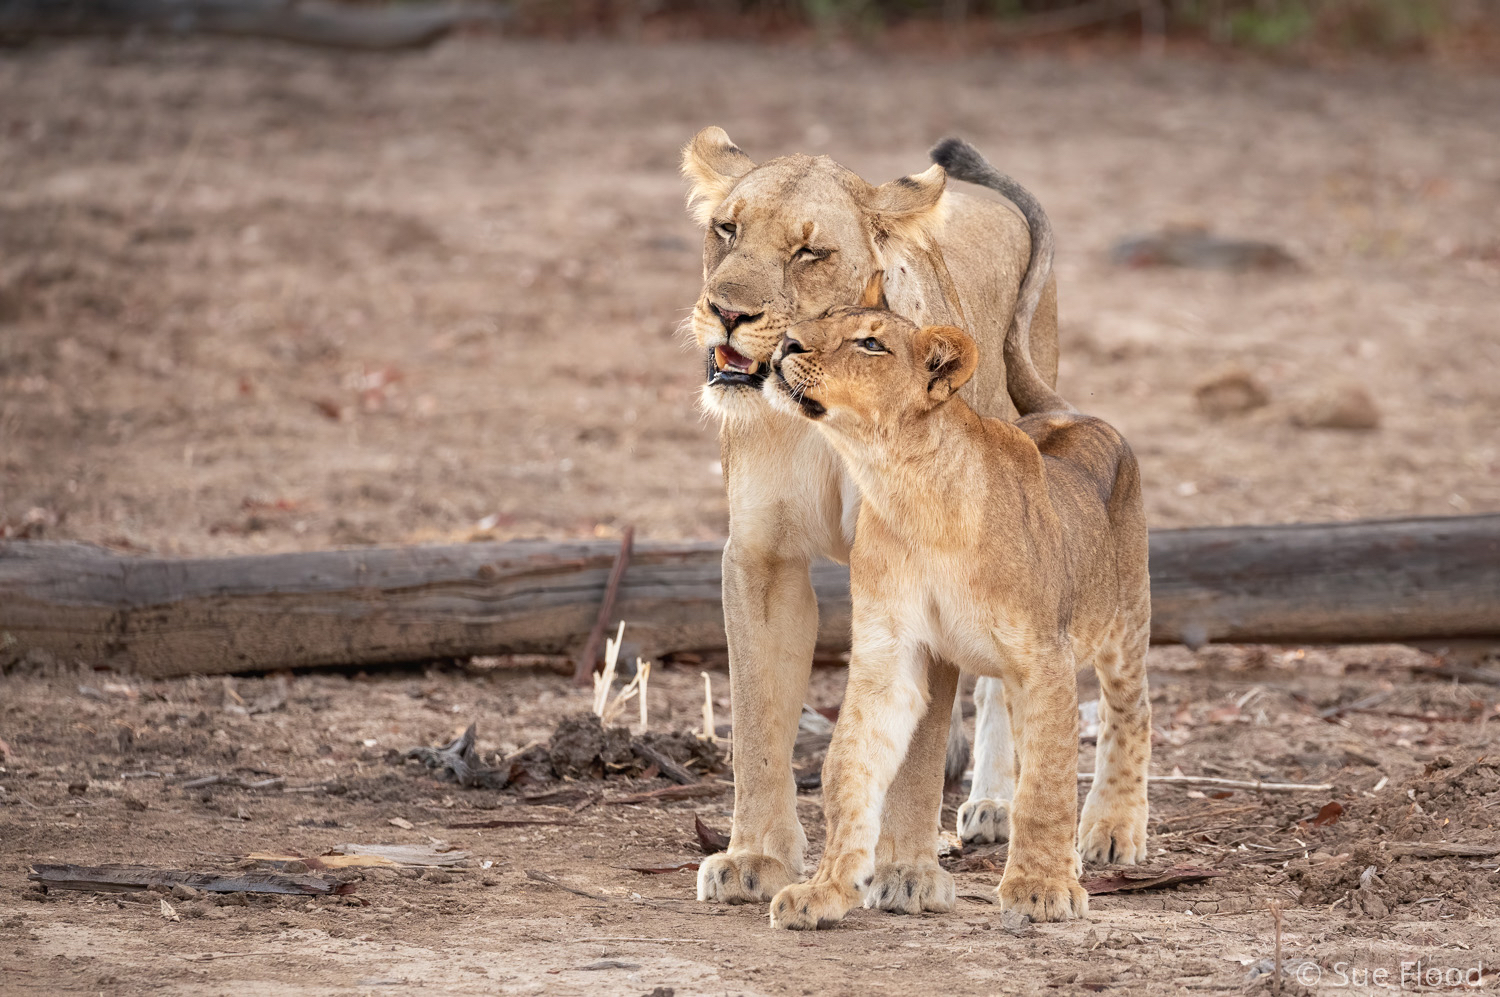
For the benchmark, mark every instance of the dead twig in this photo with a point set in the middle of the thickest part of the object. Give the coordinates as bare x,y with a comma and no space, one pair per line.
1276,918
1462,673
666,765
583,669
1441,849
1208,780
669,794
542,877
507,822
234,782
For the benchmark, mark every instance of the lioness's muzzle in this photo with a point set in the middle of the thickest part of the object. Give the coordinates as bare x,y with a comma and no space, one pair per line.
729,367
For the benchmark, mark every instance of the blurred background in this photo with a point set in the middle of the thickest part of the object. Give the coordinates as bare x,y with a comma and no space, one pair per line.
285,276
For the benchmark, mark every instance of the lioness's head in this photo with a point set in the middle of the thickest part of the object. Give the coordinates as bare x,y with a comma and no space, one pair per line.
863,371
784,241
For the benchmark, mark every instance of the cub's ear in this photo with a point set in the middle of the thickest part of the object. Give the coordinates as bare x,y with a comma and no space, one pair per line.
911,208
874,292
712,165
951,357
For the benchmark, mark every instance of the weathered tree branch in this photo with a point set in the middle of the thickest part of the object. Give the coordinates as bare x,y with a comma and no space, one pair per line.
1397,580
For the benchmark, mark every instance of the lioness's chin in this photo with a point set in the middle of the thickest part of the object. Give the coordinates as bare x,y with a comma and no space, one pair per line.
733,404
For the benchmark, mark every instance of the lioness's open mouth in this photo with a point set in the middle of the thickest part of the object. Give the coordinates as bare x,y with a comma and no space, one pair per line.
728,366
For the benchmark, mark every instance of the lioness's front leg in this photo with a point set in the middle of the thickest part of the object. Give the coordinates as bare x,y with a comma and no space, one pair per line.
1042,867
885,699
985,816
771,620
908,879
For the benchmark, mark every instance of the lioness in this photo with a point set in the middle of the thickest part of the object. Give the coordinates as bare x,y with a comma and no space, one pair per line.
1014,550
784,241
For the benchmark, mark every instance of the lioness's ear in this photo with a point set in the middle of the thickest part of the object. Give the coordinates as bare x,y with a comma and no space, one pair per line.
712,164
874,292
911,208
951,357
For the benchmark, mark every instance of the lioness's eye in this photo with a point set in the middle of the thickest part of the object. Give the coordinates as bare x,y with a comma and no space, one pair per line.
807,254
726,231
870,345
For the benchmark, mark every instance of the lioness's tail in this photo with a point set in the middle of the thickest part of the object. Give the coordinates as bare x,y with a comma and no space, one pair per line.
1027,388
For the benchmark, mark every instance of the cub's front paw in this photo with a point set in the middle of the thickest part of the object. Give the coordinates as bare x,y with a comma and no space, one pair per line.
806,906
1043,898
910,888
983,821
741,877
1115,836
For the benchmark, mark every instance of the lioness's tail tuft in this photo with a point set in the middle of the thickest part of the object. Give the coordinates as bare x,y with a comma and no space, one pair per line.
1027,388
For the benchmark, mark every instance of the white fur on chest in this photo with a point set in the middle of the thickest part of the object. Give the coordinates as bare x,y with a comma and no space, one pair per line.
938,612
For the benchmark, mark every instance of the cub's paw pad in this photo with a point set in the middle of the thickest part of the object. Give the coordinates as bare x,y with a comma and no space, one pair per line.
983,821
741,878
910,888
807,906
1112,839
1043,898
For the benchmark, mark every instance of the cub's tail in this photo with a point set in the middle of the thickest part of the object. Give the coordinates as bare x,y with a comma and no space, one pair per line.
1030,392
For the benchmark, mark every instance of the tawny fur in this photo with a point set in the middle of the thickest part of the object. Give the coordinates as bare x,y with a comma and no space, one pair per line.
1015,551
948,257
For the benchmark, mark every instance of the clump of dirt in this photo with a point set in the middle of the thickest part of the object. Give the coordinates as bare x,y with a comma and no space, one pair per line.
583,748
580,747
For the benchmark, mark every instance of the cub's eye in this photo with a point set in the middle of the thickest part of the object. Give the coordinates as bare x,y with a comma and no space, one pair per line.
808,255
870,345
726,231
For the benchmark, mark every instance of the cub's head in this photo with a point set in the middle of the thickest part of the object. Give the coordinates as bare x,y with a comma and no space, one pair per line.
784,241
862,371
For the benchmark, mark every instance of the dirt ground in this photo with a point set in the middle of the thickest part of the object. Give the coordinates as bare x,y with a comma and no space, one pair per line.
255,298
97,763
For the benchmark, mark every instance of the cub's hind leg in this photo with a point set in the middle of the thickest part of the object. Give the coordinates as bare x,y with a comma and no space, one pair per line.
985,816
908,879
1112,827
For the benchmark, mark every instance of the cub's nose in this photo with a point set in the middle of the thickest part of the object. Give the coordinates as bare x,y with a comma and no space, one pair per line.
790,346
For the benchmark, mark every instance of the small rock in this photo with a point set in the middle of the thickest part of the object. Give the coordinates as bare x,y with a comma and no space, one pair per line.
1341,406
437,876
131,803
1232,391
401,822
183,892
1014,922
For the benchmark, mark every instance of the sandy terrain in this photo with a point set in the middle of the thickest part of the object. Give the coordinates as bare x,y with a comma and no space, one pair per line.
254,298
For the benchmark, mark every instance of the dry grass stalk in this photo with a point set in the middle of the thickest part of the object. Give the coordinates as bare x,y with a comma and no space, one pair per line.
643,678
707,733
608,709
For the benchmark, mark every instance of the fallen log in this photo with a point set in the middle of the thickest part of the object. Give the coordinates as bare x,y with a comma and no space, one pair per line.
329,25
1395,580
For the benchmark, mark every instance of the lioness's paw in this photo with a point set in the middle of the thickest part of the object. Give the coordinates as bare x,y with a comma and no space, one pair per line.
1043,898
806,906
741,878
910,888
983,821
1117,838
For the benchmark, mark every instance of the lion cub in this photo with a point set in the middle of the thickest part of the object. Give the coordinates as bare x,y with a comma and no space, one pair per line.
1015,551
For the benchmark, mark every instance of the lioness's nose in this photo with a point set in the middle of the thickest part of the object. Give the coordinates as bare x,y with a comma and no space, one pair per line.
729,319
790,345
